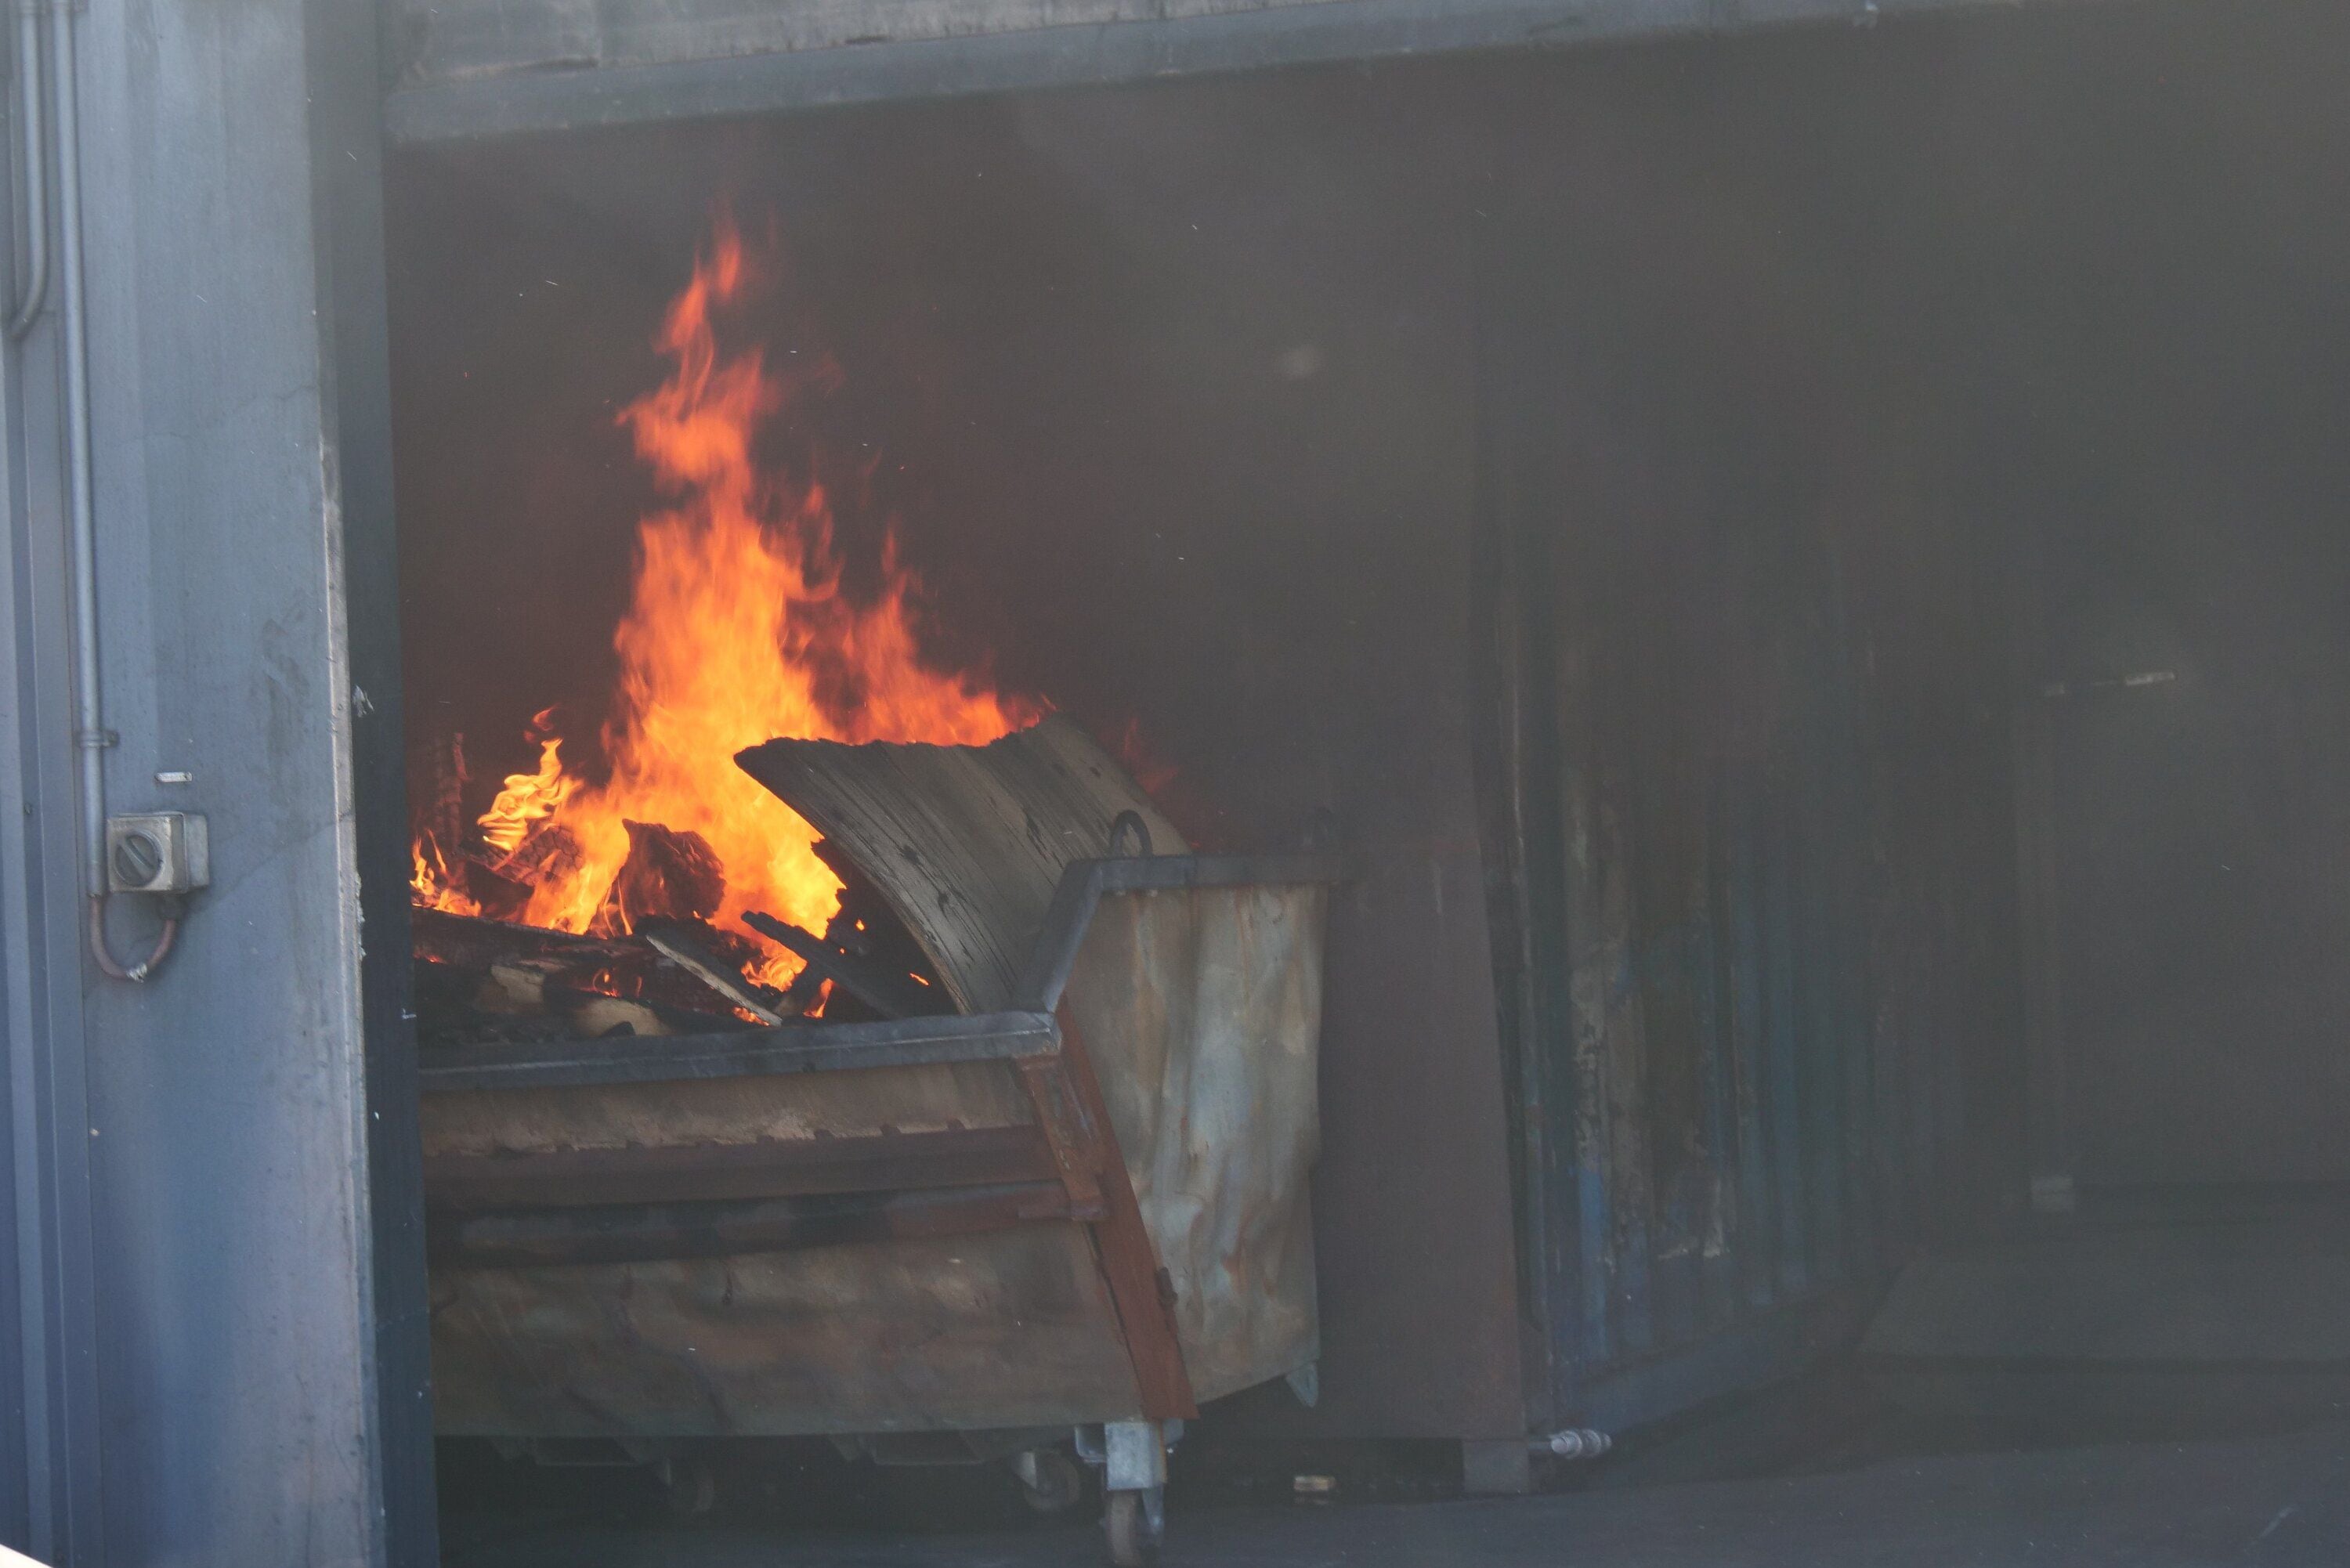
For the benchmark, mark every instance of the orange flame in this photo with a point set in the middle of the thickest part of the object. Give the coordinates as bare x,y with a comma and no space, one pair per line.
429,882
737,633
528,799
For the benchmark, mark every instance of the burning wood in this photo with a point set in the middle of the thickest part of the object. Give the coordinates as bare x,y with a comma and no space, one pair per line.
481,982
549,853
442,796
667,874
675,944
965,843
740,639
892,996
737,631
470,942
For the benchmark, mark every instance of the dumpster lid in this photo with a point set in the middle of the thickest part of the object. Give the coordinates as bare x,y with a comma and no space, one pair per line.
965,842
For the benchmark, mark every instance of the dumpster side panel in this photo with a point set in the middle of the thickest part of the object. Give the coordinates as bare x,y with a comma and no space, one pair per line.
1203,1012
724,1110
1014,1328
1204,1008
1008,1328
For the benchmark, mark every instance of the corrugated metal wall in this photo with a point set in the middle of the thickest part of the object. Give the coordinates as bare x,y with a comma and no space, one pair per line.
1741,1030
1752,833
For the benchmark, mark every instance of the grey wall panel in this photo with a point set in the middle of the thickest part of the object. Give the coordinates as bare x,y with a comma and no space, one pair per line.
228,1315
2179,475
51,1377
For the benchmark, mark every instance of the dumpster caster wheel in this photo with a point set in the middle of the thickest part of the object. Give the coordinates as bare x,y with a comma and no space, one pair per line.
1050,1482
690,1489
1134,1526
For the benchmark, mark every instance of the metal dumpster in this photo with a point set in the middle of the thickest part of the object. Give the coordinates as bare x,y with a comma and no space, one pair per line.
1078,1203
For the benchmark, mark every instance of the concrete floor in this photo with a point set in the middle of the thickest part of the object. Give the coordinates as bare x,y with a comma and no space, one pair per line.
2278,1502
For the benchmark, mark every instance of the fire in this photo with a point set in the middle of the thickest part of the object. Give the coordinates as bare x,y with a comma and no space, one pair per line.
529,799
430,883
737,632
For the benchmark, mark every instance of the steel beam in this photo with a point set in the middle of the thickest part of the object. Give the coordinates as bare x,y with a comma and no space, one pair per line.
1294,34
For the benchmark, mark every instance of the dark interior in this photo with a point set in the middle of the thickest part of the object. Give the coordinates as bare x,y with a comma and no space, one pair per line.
1808,569
1181,442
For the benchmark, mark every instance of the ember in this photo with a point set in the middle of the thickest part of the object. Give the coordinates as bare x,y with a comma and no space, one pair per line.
737,633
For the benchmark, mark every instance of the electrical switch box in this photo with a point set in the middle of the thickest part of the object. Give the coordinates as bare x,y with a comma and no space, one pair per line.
157,851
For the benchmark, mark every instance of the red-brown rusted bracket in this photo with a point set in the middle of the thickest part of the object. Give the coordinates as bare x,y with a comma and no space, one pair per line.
1076,1122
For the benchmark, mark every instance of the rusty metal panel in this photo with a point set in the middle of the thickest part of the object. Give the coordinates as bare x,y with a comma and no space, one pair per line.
1716,1052
1012,1328
967,843
1203,1010
1754,815
877,1336
846,1338
1727,1072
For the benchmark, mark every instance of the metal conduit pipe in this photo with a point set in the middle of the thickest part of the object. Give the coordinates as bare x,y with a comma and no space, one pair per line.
36,171
91,738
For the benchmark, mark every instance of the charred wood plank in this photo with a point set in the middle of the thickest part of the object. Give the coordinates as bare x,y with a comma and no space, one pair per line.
782,1167
888,995
443,799
647,1233
673,944
567,966
469,941
670,873
547,854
